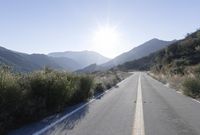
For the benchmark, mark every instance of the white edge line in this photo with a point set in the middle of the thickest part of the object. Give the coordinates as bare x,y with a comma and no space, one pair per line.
67,115
72,112
188,97
196,100
178,92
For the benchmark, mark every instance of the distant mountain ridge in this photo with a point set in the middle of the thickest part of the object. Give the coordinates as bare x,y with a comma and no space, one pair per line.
84,58
16,60
172,59
83,61
29,62
25,62
140,51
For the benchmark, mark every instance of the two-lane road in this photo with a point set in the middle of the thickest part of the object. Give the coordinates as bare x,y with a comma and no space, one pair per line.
140,105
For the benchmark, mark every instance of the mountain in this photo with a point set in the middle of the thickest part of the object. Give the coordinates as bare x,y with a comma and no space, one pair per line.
72,61
172,59
84,58
25,62
145,49
17,60
66,63
60,63
91,68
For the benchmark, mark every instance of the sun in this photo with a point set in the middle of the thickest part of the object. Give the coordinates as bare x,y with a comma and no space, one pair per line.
105,39
106,36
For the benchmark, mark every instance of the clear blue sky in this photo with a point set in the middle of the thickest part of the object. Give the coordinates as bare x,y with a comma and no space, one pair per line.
43,26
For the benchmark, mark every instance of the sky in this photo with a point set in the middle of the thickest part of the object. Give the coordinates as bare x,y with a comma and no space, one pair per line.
109,27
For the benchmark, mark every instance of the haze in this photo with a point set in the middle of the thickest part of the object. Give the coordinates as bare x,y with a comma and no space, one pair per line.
46,26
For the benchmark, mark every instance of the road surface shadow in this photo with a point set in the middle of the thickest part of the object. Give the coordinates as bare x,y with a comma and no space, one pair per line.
66,124
69,123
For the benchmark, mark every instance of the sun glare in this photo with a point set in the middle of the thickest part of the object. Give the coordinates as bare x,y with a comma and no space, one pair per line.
105,39
105,36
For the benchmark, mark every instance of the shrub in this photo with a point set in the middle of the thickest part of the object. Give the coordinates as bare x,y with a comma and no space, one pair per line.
177,70
28,97
49,90
108,85
25,98
99,88
197,71
84,90
191,87
10,96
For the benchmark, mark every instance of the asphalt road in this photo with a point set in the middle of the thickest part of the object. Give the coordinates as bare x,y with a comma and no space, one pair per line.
140,105
111,114
167,112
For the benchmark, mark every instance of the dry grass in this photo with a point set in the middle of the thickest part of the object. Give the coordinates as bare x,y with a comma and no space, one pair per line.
179,81
108,79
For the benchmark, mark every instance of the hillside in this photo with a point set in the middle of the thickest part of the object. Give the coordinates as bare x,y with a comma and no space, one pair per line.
178,65
17,60
25,62
138,52
84,58
66,63
173,59
91,68
56,63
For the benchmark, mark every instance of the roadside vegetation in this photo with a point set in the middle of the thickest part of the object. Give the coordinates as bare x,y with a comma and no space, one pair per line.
172,59
191,85
108,79
179,65
28,97
188,84
176,65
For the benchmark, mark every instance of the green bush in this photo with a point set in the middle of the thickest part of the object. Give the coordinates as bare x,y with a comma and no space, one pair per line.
197,71
86,84
99,88
177,70
191,87
28,97
50,90
10,97
108,85
25,98
84,91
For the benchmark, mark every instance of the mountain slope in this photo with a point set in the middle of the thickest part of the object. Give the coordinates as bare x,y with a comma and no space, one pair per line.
138,52
26,62
84,58
17,60
60,63
66,63
173,59
91,68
